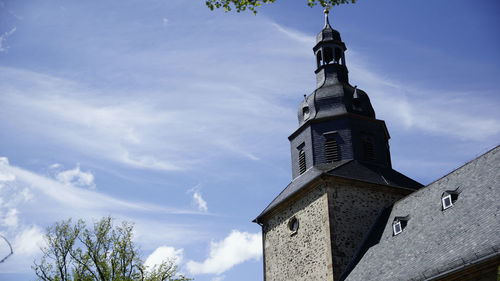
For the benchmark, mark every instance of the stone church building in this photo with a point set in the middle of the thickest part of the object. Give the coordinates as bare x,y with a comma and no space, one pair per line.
348,215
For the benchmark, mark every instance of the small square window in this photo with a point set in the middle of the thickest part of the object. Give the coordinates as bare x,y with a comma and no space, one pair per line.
446,201
396,227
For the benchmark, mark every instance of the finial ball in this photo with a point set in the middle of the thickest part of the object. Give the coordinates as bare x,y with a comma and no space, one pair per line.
327,9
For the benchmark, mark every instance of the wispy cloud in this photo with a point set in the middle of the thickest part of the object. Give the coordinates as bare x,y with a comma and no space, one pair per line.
200,203
460,115
295,35
3,39
76,199
236,248
55,166
157,133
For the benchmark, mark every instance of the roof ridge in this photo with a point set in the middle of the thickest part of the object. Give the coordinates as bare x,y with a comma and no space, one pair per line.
466,163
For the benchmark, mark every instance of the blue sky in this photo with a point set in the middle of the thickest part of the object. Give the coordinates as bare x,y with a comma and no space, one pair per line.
176,117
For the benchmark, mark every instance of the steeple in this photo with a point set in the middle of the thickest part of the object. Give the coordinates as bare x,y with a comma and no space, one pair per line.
336,114
342,177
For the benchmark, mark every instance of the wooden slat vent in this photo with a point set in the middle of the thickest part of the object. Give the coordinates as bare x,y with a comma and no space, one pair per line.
302,161
331,151
368,149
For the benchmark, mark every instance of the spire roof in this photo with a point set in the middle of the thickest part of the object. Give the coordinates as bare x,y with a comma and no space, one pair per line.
328,33
326,12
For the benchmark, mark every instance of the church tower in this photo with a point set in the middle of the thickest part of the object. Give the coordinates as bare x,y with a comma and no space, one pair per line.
342,176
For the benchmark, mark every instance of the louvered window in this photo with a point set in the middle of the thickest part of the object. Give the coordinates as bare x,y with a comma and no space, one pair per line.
331,150
302,161
369,153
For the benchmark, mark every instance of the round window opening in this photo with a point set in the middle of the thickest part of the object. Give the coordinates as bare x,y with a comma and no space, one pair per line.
293,224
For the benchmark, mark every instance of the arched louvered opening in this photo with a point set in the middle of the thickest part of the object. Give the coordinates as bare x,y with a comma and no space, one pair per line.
369,153
338,55
319,58
356,103
331,150
328,56
302,161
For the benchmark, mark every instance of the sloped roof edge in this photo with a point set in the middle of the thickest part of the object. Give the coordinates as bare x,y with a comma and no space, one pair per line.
349,169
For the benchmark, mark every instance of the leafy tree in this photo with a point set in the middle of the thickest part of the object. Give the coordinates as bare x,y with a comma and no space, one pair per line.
243,5
103,252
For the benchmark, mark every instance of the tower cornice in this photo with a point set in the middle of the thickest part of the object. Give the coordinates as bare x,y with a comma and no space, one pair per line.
347,115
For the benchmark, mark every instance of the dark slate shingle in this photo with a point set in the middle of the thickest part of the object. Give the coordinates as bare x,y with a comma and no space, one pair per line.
351,169
437,241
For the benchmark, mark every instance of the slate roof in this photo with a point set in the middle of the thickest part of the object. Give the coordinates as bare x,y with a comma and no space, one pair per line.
328,33
437,241
351,169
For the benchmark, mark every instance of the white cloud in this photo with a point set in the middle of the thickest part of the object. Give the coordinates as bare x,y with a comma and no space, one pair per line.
37,199
76,177
198,200
55,166
236,248
28,241
4,161
11,219
218,278
4,37
5,176
164,253
27,195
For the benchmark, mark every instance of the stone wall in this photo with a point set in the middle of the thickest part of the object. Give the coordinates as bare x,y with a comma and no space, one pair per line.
353,209
304,255
333,218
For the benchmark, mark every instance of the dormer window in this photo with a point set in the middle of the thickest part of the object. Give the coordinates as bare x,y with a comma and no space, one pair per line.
448,198
396,228
399,224
446,201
